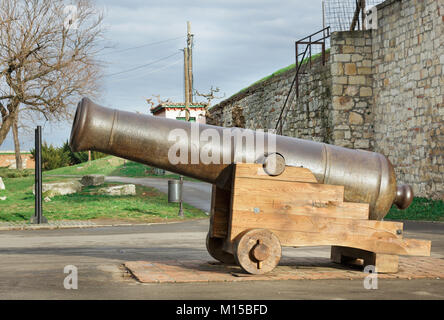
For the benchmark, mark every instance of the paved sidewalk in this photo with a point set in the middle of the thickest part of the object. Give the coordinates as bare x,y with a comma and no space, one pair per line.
33,265
300,268
61,224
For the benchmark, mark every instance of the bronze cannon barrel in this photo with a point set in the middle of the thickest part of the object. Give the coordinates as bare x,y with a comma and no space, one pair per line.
367,177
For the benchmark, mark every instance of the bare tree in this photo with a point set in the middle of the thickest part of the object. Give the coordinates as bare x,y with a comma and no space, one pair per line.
160,101
46,58
210,96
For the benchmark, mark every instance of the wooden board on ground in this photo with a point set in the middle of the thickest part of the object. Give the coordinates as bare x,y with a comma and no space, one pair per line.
382,262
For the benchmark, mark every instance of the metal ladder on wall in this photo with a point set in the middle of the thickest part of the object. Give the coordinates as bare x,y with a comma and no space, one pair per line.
321,37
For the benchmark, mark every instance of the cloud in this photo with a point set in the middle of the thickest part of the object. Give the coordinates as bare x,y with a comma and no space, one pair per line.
236,43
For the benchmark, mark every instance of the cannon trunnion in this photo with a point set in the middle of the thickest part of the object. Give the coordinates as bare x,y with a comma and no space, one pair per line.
301,193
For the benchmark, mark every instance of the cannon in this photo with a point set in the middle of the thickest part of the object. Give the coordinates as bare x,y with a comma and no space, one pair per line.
269,191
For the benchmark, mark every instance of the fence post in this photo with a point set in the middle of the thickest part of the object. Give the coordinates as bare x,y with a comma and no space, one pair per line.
38,217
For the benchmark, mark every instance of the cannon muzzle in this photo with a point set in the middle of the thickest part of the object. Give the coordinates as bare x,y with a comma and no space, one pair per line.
367,177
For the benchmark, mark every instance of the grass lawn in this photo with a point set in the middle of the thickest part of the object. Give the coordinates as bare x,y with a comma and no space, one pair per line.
149,205
111,166
420,209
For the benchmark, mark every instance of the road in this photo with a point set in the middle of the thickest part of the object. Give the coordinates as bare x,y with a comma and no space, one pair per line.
197,194
32,264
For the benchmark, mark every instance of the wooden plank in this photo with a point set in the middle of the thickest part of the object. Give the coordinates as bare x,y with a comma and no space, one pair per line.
378,245
352,256
308,207
255,171
252,191
220,211
384,263
310,224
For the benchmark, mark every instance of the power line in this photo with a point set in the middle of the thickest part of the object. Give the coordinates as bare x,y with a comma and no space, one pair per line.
138,47
142,66
149,72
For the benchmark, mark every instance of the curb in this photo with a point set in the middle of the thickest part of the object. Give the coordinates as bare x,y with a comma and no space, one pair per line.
77,226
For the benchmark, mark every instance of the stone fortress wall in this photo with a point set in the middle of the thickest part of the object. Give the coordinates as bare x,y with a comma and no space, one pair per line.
381,90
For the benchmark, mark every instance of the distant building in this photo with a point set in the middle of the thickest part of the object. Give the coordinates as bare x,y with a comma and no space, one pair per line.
177,111
7,159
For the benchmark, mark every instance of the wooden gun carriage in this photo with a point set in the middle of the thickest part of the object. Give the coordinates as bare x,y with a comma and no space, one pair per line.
261,213
295,193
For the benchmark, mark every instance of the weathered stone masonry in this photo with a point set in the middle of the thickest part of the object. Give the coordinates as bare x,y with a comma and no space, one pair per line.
381,90
408,60
259,106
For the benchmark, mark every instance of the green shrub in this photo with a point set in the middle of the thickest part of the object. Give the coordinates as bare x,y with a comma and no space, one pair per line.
80,157
52,157
57,157
14,173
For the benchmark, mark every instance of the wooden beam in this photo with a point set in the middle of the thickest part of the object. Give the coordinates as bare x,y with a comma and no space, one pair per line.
383,263
254,192
394,246
255,171
309,225
220,212
306,207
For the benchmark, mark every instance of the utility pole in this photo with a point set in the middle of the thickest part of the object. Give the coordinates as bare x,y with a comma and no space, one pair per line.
188,71
190,60
187,84
188,81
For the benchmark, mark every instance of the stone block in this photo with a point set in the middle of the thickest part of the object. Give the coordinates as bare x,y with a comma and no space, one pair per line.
336,89
350,69
366,92
340,80
338,135
348,49
343,103
351,90
365,70
355,118
357,80
362,144
337,69
52,189
123,190
93,180
2,185
342,58
356,57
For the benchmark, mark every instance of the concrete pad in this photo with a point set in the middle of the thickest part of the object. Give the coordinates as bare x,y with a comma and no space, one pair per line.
183,271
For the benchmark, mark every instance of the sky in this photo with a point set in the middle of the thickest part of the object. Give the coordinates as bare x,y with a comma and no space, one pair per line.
236,42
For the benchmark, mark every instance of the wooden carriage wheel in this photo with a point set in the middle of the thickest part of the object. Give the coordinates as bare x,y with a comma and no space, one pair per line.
257,251
214,247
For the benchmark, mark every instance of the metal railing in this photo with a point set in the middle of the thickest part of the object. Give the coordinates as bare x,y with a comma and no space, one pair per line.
301,60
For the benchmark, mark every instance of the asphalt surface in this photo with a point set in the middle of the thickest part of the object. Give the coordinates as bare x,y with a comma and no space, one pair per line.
197,194
32,266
